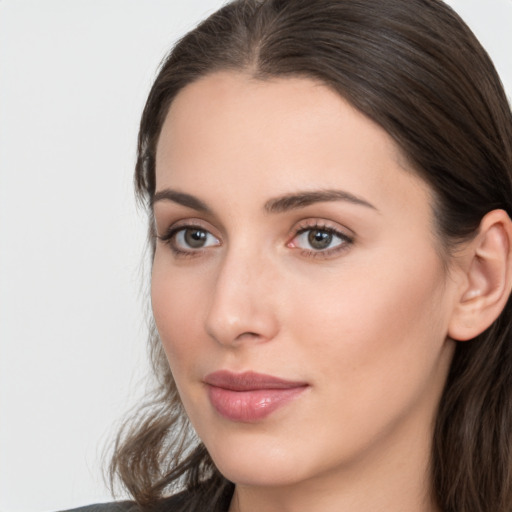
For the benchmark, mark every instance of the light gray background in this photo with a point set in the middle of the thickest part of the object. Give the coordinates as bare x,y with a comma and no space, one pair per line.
73,79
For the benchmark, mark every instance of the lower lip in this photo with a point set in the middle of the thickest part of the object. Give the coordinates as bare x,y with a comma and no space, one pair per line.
250,406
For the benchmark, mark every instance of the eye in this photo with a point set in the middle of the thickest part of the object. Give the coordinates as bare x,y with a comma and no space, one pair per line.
319,239
187,240
194,238
316,240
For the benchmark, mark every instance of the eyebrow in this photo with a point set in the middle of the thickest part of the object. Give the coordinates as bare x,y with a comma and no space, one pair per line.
180,198
277,205
303,199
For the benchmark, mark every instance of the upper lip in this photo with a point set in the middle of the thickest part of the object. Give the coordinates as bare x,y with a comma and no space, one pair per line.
249,381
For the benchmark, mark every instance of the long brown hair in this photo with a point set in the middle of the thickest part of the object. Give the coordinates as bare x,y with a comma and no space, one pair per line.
416,69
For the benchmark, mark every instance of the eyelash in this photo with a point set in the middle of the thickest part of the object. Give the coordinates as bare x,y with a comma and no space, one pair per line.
345,240
169,238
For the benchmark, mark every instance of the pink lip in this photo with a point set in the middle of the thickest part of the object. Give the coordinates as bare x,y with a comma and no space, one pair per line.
249,396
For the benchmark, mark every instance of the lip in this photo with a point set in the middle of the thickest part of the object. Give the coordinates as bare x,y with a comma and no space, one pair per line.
249,397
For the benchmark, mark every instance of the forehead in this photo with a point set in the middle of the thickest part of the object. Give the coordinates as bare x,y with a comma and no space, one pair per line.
270,137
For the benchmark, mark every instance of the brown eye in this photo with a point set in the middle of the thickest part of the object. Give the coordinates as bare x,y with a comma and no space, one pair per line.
319,239
192,238
195,238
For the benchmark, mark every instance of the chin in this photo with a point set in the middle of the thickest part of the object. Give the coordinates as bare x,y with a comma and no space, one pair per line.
258,473
260,462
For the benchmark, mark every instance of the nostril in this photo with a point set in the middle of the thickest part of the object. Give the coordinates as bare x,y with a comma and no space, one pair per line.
248,335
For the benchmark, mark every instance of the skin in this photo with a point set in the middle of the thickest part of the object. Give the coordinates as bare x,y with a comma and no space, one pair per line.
363,323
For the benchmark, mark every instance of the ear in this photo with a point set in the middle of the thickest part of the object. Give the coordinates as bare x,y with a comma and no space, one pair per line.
487,278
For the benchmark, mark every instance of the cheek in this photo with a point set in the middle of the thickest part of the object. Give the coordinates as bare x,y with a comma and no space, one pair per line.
376,326
176,304
374,345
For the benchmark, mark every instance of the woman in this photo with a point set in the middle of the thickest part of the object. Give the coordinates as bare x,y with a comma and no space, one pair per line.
329,188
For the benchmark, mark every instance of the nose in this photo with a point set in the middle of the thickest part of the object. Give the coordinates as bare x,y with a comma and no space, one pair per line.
241,308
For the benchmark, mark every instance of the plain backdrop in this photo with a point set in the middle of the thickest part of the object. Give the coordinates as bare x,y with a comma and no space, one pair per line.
74,75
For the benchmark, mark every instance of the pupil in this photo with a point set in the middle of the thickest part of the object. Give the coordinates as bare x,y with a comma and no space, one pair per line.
319,239
195,238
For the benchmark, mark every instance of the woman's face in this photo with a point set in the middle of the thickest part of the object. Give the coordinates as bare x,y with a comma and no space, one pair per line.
297,285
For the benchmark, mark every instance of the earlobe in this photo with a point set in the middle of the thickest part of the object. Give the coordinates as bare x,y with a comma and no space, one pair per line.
488,278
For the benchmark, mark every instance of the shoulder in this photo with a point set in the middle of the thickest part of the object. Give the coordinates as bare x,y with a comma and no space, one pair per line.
130,506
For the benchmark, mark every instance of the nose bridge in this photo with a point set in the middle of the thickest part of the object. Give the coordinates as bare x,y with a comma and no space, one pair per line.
240,305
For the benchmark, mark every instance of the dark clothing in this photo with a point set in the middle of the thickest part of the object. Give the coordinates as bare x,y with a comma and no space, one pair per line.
120,506
167,505
174,503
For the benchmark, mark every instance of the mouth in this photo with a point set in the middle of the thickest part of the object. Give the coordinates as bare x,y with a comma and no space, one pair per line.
249,397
